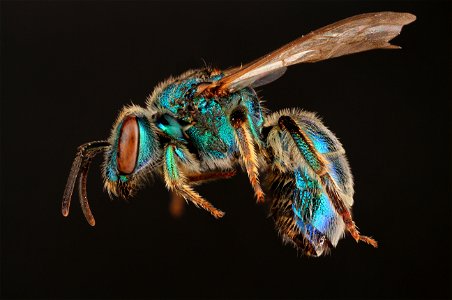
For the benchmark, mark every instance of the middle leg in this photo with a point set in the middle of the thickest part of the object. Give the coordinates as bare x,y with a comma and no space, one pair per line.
247,149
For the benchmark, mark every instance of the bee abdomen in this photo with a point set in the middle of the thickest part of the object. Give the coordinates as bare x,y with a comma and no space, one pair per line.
302,152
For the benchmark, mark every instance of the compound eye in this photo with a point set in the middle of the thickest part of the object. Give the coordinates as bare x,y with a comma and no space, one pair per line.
128,145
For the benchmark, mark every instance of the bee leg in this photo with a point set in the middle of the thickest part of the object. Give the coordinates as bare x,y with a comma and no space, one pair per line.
247,149
318,164
177,182
334,194
177,204
199,178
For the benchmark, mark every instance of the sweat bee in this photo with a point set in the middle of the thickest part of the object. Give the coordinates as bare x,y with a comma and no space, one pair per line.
203,124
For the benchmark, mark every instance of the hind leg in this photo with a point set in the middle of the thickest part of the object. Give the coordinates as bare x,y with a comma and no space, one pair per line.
295,140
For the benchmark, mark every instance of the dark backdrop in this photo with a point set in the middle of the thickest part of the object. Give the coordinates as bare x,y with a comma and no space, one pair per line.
69,67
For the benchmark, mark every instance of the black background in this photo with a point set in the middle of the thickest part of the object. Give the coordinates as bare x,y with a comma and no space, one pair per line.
68,68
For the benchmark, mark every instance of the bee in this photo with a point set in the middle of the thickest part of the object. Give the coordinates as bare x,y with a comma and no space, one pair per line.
206,123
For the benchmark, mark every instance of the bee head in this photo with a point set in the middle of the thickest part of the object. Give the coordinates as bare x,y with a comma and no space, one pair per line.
135,150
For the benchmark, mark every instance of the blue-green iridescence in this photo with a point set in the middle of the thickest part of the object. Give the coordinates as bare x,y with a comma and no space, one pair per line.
336,170
172,129
212,133
216,77
171,164
254,130
173,96
306,152
311,205
251,102
322,142
180,154
255,117
146,150
148,144
112,162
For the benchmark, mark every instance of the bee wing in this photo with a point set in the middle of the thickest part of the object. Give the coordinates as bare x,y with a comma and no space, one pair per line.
355,34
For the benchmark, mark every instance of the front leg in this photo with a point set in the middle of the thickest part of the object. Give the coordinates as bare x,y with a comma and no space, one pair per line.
176,181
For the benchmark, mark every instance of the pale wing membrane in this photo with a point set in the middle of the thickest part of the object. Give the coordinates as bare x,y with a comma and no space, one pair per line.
266,78
355,34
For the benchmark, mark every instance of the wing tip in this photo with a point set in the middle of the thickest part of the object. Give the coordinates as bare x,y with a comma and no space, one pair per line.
408,18
401,18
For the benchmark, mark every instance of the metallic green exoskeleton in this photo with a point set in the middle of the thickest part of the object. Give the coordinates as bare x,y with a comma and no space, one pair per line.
203,124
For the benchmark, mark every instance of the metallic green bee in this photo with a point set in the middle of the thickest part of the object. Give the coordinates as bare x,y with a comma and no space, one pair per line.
204,123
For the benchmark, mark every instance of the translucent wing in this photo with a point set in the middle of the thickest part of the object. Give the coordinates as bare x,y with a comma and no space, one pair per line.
355,34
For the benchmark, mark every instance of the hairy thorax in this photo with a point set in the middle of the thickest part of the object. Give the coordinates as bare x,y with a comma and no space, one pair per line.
205,119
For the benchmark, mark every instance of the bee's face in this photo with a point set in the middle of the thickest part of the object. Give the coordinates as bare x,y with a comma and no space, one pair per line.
134,147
